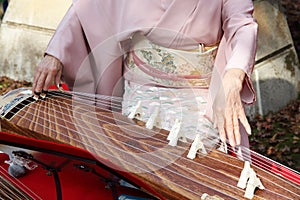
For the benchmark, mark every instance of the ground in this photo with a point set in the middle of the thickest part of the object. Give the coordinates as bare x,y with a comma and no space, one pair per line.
277,135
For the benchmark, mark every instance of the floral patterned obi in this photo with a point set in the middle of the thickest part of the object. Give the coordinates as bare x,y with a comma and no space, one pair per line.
175,82
170,67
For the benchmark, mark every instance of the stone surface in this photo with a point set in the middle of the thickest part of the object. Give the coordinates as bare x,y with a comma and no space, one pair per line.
25,31
36,13
274,83
276,76
274,32
21,50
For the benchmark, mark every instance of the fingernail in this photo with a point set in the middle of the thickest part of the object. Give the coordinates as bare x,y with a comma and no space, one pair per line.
249,131
35,97
59,86
44,94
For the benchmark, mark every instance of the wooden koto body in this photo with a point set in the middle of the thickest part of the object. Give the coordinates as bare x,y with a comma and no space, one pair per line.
126,145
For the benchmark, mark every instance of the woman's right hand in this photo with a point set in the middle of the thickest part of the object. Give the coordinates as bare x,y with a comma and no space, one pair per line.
48,72
228,109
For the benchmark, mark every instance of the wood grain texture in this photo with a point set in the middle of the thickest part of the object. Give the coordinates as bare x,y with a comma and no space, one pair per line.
125,144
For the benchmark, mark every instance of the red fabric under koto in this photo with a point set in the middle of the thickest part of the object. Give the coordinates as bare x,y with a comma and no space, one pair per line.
54,87
75,183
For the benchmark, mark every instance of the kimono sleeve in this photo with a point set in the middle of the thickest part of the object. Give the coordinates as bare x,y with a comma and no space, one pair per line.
69,45
240,34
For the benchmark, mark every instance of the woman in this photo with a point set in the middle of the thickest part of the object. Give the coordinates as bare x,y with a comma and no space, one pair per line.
108,30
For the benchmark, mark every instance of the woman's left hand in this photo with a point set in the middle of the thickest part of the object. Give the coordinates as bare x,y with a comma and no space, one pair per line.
228,109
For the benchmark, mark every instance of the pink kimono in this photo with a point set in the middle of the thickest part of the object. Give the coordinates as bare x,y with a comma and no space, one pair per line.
102,29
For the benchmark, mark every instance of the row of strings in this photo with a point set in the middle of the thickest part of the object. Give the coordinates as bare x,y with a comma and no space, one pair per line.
15,195
115,104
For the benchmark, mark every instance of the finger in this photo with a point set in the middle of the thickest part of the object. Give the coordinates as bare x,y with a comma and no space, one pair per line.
221,128
244,121
40,82
229,130
49,79
57,79
35,80
53,72
215,121
236,129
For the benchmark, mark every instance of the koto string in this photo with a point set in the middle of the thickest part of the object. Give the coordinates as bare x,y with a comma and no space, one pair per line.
86,96
255,160
227,184
144,159
20,183
262,165
151,163
277,164
113,102
208,156
189,160
137,133
109,155
105,103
